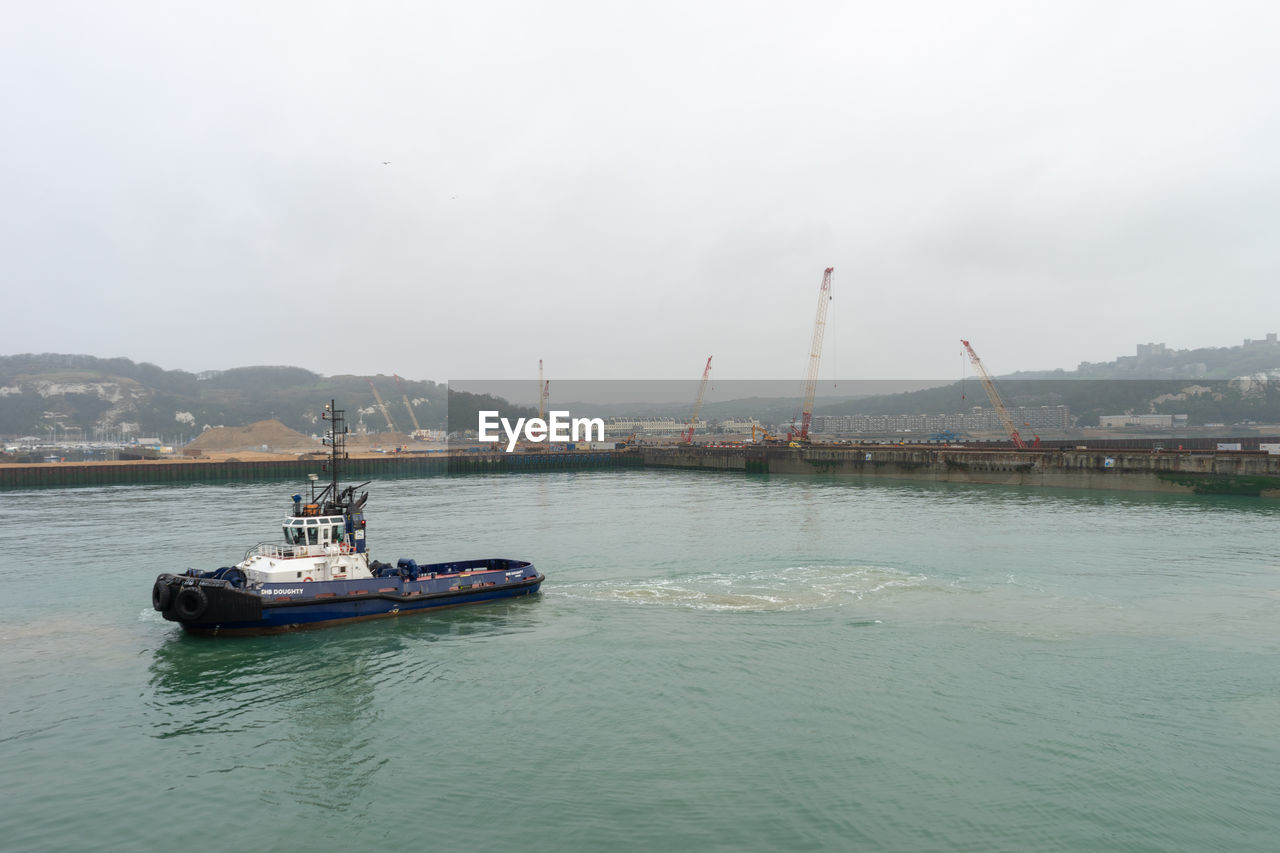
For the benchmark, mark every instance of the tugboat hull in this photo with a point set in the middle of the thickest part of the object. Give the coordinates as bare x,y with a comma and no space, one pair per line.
216,606
321,574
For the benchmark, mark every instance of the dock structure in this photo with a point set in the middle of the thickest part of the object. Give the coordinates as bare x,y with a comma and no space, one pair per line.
1200,471
161,471
1233,472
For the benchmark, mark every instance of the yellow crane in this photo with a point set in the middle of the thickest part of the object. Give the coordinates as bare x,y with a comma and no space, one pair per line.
765,435
419,433
382,406
687,438
417,428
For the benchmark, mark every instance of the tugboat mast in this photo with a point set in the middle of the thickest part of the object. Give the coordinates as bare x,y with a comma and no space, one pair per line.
323,573
336,438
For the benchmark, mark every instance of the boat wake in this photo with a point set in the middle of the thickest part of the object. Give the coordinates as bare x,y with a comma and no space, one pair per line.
795,588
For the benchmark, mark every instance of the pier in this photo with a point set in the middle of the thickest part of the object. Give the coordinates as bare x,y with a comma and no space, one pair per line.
1239,472
1233,472
159,471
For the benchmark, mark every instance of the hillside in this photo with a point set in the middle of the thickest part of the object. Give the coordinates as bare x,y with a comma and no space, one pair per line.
1226,385
82,396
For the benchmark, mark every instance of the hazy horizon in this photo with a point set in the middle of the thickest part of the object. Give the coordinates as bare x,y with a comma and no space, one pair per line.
624,189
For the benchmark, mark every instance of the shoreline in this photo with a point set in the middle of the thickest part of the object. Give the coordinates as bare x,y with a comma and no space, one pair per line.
1203,472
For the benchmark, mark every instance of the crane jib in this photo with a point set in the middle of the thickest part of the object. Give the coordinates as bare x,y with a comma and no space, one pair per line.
815,352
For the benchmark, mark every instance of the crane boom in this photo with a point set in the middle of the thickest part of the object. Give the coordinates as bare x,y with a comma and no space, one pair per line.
417,428
687,438
544,391
994,396
382,406
815,353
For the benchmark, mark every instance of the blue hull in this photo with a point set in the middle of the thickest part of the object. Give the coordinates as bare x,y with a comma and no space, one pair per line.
228,610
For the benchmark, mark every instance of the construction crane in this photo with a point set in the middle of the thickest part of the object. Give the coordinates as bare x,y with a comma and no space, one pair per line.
687,438
382,406
815,354
544,391
765,435
417,428
994,396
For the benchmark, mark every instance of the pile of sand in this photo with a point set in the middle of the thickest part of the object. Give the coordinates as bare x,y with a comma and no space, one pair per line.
278,437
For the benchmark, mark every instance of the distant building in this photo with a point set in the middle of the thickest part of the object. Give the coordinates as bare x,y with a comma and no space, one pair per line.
1151,350
1269,342
977,419
618,428
1139,421
734,425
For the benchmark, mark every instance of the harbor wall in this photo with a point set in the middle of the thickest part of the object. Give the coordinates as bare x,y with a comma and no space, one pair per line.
1177,472
232,470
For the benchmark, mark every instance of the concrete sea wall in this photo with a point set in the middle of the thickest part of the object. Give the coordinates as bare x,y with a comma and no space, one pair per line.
390,465
1198,472
1177,472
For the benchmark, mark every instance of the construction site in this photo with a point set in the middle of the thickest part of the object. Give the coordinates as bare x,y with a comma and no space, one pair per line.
1232,467
1248,465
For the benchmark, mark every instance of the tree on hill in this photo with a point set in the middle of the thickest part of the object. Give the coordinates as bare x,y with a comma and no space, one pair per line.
465,408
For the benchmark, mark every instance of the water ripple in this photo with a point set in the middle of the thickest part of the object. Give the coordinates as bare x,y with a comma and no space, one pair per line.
793,588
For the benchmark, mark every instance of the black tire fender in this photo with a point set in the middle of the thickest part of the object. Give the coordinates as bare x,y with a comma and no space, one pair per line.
190,603
161,596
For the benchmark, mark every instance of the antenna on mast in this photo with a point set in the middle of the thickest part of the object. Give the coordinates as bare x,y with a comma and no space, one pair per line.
336,438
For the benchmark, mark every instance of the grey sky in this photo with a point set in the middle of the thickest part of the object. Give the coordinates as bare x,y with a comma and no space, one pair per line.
622,189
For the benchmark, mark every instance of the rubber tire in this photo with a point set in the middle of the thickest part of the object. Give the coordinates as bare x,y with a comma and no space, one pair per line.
190,603
161,596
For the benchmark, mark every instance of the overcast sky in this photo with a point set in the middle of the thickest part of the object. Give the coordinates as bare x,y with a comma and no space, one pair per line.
623,189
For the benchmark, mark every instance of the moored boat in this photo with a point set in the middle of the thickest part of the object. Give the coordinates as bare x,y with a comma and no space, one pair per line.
322,574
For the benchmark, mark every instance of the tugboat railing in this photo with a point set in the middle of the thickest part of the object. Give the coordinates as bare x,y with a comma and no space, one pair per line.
283,552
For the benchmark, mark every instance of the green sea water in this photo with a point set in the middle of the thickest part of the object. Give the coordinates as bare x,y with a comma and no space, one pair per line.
716,662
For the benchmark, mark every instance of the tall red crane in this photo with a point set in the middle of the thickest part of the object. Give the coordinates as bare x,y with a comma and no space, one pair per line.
994,396
815,354
687,436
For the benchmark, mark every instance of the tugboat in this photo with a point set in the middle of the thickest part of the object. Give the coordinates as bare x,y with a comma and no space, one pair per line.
322,574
